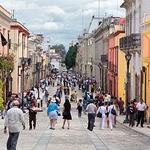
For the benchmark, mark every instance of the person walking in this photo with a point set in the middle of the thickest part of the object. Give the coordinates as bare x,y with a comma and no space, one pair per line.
65,90
91,109
111,115
32,114
52,113
79,108
102,110
141,107
68,90
132,111
13,121
46,95
66,113
121,105
75,96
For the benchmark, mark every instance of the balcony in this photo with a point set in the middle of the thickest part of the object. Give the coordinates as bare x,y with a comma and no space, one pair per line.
112,68
130,43
104,58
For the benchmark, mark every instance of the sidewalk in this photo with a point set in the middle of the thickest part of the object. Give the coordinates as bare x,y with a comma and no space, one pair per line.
25,115
144,130
1,125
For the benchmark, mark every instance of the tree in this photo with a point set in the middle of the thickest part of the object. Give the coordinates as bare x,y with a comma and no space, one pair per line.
70,58
60,49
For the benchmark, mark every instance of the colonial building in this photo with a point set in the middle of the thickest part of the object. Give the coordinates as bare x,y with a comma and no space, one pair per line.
19,44
83,54
146,62
5,19
6,57
133,46
36,55
135,12
91,55
101,36
116,61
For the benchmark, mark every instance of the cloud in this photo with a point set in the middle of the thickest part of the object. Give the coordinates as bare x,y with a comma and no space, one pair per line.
47,26
54,10
19,5
62,20
24,5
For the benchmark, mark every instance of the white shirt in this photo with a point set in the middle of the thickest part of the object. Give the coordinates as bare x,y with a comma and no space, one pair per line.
107,98
14,119
141,107
91,109
102,110
110,108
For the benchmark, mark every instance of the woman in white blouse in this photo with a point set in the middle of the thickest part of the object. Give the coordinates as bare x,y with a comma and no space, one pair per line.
102,110
111,115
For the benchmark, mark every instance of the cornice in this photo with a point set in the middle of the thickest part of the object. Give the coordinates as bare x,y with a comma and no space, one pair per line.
17,25
5,17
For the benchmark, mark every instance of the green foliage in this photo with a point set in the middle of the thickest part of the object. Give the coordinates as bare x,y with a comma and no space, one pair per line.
1,94
1,103
70,58
6,63
60,49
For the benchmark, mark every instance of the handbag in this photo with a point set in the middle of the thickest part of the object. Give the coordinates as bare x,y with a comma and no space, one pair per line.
99,115
58,113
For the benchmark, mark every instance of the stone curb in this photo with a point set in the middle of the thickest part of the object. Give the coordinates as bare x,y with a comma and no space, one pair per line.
133,129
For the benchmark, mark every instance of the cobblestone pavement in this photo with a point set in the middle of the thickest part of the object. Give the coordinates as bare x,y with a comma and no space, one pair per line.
78,137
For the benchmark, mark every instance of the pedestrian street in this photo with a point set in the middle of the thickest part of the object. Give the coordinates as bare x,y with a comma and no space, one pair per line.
77,137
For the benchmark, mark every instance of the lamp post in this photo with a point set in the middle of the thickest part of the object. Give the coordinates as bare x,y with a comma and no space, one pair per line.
128,58
49,68
99,65
38,77
38,64
9,82
23,62
91,67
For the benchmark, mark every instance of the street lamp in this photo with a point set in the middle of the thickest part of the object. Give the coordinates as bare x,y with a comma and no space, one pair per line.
38,67
49,68
128,58
23,62
99,65
91,67
9,82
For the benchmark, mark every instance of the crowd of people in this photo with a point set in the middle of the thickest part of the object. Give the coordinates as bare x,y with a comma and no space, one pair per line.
94,102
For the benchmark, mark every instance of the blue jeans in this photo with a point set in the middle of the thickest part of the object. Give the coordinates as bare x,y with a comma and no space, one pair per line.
12,141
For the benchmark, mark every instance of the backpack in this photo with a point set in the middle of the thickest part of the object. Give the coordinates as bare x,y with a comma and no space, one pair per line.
113,111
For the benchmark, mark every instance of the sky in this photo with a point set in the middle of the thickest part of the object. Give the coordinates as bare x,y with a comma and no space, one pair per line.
61,21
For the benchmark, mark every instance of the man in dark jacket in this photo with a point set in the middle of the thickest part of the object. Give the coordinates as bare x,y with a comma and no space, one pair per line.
32,115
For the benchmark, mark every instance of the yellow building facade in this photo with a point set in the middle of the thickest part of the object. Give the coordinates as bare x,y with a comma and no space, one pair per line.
145,84
121,68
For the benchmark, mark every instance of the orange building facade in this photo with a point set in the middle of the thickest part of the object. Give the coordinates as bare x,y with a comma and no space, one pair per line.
146,66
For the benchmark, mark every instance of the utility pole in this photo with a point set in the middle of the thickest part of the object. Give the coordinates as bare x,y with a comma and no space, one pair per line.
99,5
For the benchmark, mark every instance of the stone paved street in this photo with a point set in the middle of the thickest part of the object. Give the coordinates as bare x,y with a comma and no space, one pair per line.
78,137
